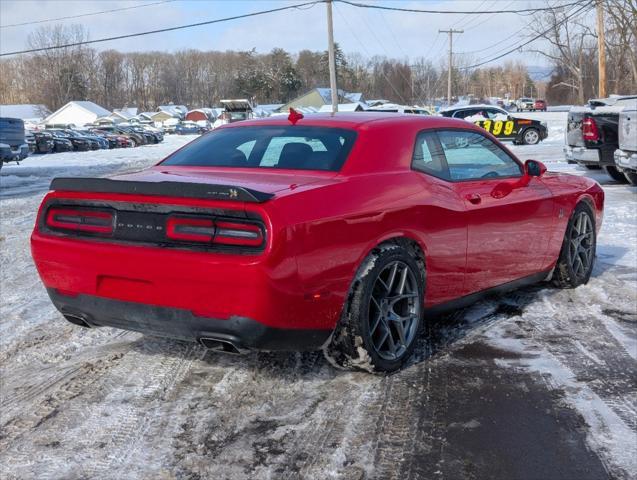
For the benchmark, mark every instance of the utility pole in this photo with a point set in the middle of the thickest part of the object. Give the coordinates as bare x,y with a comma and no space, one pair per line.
331,57
601,51
450,32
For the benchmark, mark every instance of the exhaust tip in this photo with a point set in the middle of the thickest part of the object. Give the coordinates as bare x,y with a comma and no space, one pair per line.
77,320
221,345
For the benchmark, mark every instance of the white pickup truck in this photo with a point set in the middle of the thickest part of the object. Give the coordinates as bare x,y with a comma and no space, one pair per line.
626,154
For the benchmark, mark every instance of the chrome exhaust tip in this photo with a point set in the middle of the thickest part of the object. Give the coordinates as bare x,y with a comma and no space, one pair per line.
77,320
221,345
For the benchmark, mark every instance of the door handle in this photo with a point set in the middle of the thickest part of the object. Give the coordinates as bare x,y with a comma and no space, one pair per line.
474,198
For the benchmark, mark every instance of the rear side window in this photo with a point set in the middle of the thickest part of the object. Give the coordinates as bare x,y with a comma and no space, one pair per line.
268,146
428,157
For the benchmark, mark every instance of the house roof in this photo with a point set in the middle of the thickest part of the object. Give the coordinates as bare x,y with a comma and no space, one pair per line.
174,110
90,106
24,111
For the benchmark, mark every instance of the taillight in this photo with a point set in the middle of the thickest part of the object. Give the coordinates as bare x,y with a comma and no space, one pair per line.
90,221
243,234
590,131
215,232
190,229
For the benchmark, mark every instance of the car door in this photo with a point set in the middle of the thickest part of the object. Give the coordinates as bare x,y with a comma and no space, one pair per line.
509,214
442,221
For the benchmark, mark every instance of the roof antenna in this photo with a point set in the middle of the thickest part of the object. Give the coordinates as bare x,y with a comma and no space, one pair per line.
294,116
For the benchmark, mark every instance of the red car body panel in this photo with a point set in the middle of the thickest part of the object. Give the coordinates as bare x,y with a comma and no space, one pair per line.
320,226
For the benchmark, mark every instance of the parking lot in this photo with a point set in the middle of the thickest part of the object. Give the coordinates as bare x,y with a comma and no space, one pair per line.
537,384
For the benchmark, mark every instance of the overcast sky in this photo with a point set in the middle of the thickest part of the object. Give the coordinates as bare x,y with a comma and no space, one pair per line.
368,32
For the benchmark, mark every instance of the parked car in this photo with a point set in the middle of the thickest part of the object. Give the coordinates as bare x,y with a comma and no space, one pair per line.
60,144
13,143
501,124
307,233
135,138
115,140
395,108
539,105
40,142
79,142
592,134
626,154
524,103
103,143
187,128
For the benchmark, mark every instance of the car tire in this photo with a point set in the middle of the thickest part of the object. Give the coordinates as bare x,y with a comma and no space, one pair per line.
577,256
615,174
592,167
369,335
631,177
531,136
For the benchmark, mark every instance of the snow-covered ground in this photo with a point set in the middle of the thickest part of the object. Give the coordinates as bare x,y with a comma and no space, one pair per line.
537,384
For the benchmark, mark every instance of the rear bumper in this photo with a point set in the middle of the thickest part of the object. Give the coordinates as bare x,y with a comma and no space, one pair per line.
625,160
581,155
242,332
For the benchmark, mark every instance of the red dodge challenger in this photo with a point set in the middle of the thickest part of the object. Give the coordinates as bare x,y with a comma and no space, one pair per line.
336,232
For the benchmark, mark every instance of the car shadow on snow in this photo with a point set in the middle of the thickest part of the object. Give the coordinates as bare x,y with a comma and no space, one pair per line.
439,335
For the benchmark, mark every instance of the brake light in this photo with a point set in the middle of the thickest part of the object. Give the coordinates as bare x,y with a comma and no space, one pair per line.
90,221
190,229
244,234
590,131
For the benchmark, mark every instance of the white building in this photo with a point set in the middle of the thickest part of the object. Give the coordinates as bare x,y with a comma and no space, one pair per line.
77,113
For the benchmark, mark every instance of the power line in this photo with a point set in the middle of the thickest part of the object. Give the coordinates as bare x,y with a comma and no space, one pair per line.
161,30
342,15
539,35
459,12
85,14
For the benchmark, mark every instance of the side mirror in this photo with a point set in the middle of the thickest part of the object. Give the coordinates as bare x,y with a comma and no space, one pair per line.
534,168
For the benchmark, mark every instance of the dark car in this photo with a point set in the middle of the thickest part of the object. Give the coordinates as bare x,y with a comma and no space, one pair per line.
499,123
13,144
592,134
103,143
365,226
41,142
79,143
540,105
45,139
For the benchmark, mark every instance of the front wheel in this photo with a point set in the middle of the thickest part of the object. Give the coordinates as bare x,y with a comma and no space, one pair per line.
381,318
577,257
615,174
531,137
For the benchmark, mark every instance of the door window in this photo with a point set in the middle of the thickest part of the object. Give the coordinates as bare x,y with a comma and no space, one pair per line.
472,156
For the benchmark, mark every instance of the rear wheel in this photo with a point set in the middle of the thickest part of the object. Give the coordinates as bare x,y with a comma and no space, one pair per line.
615,174
577,257
631,177
531,136
382,316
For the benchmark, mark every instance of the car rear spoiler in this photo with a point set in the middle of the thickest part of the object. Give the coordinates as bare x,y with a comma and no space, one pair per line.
169,189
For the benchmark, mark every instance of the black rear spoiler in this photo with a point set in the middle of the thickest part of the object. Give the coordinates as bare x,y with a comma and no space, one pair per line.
169,189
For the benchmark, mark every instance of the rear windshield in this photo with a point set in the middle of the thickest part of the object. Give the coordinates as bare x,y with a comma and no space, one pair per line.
268,146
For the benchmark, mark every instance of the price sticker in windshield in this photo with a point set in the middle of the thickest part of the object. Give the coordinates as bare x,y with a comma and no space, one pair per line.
498,128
